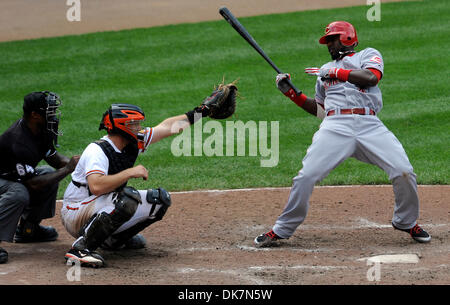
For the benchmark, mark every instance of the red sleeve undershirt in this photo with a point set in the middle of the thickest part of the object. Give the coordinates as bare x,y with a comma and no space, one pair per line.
376,72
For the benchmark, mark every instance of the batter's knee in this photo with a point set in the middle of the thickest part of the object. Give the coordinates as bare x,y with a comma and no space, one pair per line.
402,172
307,176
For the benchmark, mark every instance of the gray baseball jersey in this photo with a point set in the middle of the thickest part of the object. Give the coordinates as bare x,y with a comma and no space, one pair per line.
335,94
341,136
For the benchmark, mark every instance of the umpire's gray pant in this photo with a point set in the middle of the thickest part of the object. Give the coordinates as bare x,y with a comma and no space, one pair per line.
16,200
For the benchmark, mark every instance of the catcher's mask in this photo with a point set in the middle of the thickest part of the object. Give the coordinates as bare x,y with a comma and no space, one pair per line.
123,119
45,103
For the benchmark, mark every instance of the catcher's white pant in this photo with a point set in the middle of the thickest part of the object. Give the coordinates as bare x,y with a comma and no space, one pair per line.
75,215
365,138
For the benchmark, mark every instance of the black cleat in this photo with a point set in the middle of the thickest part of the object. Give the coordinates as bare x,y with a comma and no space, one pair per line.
266,239
85,258
3,256
417,233
34,233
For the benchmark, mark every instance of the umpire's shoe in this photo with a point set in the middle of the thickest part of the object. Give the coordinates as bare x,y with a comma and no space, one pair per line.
266,239
32,233
84,258
3,256
417,233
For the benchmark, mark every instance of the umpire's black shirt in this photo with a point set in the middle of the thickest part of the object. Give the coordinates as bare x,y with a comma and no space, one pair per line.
21,151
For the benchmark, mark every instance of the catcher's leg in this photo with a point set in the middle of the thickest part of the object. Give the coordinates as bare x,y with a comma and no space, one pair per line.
331,145
101,226
153,209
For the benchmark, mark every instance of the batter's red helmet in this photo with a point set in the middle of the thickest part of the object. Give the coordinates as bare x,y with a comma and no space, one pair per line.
345,30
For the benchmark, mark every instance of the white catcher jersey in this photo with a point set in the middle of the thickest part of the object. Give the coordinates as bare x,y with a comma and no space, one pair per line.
93,161
336,94
78,206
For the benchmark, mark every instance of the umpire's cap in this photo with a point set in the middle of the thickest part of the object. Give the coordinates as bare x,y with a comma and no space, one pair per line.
40,102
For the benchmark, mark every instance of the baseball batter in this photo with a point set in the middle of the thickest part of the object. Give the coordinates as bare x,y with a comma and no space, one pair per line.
348,99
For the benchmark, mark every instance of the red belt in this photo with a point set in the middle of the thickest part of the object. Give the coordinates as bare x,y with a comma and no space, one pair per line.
361,111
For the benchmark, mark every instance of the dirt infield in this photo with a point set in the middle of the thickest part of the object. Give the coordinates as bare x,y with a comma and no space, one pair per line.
206,238
25,19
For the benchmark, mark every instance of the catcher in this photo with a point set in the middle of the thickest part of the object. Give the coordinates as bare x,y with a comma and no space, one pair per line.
98,208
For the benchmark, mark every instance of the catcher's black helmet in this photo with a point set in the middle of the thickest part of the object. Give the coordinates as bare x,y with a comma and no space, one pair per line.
119,118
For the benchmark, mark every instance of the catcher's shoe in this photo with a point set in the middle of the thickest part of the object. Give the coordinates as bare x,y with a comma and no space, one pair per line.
32,233
3,256
85,258
135,242
266,239
417,233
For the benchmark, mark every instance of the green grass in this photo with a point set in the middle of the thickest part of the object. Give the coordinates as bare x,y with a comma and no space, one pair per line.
169,70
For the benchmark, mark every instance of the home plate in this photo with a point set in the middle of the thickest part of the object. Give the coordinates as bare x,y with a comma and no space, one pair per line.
393,258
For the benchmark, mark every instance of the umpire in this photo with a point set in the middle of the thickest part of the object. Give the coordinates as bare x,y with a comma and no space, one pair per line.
27,191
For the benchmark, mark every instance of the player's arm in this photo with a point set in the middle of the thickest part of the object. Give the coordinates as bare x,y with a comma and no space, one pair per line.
57,160
100,184
170,126
220,104
308,104
41,181
313,107
362,78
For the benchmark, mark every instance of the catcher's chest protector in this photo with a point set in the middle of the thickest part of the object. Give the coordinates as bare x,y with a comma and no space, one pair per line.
119,161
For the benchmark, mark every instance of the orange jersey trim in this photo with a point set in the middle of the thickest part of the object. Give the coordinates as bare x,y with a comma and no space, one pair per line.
149,137
95,171
83,203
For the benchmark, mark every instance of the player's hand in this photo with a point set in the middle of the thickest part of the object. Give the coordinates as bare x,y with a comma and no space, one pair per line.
328,72
324,73
138,171
281,82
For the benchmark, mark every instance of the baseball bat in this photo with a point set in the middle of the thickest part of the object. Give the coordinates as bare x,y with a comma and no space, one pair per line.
229,17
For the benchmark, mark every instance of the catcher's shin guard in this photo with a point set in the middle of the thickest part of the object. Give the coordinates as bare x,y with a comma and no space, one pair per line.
160,201
104,225
158,197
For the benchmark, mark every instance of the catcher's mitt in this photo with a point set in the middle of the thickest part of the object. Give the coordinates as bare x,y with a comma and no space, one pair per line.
221,104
